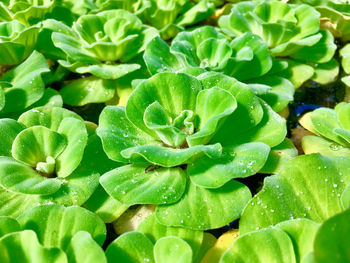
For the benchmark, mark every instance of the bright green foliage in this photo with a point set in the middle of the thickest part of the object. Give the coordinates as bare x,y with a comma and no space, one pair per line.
171,16
99,44
136,247
331,128
291,31
335,16
178,153
309,186
290,241
332,240
42,153
27,12
23,86
17,41
34,238
345,54
246,58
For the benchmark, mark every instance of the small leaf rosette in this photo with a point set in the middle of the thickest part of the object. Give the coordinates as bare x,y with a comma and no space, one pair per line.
52,233
331,128
39,160
183,140
291,32
100,44
172,16
246,58
23,87
335,16
17,41
28,12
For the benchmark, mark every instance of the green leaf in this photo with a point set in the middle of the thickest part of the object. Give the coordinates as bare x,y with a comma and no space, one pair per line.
315,144
169,157
131,247
332,242
118,133
280,94
248,113
45,219
279,155
35,144
257,63
212,108
271,130
267,245
49,117
8,225
158,120
326,72
297,72
24,247
172,249
21,178
50,98
159,58
201,209
302,232
88,90
154,231
168,90
322,52
103,205
108,71
238,161
26,82
8,131
82,248
75,132
135,184
309,186
213,52
17,42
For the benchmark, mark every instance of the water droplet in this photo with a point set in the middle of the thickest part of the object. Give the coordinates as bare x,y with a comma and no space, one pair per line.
335,185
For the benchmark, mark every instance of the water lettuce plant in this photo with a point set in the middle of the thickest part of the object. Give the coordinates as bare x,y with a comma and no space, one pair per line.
246,58
331,131
40,157
291,32
23,87
167,131
98,44
335,16
17,41
172,16
28,12
180,151
33,236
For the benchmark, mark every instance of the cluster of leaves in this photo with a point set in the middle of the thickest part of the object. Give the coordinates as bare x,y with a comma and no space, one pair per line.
166,120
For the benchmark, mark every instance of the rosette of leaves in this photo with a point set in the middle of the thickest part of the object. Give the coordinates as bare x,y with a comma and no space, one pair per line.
99,44
335,16
52,233
179,139
17,41
292,32
28,12
136,247
23,87
331,129
172,16
245,58
297,240
40,158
